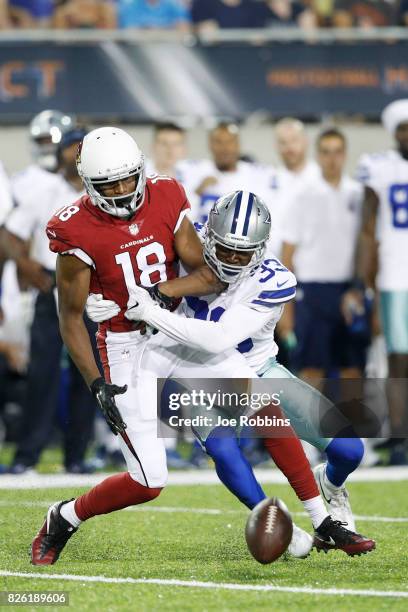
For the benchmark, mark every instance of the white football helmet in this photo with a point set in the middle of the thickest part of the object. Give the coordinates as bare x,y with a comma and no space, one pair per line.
107,155
46,131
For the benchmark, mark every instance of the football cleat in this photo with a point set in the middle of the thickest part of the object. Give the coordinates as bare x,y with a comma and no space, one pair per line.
301,543
332,535
336,498
52,537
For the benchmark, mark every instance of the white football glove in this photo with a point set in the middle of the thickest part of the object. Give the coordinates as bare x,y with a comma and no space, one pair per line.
99,310
140,303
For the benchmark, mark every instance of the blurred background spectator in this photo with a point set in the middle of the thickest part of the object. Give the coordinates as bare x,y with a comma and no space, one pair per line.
71,14
364,13
31,13
320,231
39,191
280,13
402,14
169,148
153,14
210,15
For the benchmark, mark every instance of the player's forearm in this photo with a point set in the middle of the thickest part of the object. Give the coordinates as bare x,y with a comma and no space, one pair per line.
203,335
76,339
366,266
367,246
200,282
14,247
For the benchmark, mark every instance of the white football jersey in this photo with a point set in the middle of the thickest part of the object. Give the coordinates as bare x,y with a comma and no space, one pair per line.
265,290
38,194
387,174
247,176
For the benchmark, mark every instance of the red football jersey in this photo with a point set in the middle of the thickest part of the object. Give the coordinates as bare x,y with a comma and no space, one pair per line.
123,253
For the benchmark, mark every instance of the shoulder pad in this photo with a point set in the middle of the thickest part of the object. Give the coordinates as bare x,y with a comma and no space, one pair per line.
65,229
271,284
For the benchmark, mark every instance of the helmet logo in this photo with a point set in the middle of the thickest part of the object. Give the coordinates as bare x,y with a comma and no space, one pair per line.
134,229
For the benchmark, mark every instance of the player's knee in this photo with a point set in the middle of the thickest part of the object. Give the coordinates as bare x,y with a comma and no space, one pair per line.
152,479
347,451
221,444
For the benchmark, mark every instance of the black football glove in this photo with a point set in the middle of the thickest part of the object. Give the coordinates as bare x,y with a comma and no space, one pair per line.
164,301
104,393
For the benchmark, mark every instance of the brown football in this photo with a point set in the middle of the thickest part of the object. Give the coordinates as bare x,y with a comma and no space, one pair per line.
269,530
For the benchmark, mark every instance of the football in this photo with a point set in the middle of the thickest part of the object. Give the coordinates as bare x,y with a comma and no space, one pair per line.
268,530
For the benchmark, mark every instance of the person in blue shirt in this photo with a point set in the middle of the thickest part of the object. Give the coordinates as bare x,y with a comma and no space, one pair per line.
158,14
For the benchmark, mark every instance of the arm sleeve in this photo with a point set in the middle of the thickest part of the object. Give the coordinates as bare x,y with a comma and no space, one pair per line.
236,324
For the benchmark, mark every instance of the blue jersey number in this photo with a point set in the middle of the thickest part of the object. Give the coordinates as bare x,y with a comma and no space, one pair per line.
201,311
399,205
268,272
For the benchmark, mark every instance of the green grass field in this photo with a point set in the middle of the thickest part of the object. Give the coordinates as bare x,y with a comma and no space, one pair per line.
175,538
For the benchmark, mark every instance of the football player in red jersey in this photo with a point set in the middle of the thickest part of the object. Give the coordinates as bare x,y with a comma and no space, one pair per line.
128,231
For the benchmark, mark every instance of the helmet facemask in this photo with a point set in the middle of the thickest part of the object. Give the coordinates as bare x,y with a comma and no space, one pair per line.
227,272
123,206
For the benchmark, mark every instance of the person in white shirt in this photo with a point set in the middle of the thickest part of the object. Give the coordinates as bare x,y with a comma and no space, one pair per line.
207,180
320,236
295,169
169,149
26,243
383,258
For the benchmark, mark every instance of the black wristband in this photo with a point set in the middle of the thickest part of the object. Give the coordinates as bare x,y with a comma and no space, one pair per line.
163,300
96,385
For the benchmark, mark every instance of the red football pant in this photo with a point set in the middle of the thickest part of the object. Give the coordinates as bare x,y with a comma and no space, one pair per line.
113,493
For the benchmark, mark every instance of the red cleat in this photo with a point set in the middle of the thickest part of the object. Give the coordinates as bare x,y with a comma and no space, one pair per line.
331,535
52,537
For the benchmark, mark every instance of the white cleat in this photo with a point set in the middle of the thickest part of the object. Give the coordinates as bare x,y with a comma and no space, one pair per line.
336,498
301,543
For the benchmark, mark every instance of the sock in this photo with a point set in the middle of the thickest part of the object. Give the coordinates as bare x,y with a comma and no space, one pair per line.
316,510
232,467
343,457
68,513
287,452
113,493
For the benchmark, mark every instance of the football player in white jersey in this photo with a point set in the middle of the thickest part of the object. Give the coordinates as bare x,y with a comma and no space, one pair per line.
207,180
27,244
383,261
244,316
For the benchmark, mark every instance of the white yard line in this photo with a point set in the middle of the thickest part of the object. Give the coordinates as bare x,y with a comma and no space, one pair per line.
195,584
189,477
192,510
